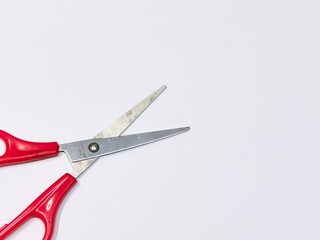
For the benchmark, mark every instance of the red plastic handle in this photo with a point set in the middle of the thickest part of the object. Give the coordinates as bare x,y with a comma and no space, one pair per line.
21,151
45,208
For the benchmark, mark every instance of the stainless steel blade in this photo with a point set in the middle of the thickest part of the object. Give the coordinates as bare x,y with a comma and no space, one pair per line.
117,128
93,148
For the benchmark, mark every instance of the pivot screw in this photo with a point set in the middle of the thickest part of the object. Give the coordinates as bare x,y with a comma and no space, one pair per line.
94,147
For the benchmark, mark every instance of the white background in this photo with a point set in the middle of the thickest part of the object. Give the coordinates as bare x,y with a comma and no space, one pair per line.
244,75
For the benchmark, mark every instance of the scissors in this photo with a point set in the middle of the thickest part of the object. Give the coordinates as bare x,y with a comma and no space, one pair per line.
81,154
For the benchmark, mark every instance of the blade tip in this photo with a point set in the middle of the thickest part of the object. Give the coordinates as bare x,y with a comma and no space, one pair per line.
163,87
183,129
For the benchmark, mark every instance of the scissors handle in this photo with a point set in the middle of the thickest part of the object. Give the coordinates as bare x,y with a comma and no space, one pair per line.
20,151
45,208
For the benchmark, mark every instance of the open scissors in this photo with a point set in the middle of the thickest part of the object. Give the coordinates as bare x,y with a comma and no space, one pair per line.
81,154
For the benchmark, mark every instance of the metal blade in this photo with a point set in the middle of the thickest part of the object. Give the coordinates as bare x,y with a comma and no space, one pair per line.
117,128
94,148
124,121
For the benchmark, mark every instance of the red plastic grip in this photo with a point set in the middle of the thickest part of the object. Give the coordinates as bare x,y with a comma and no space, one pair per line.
45,207
21,151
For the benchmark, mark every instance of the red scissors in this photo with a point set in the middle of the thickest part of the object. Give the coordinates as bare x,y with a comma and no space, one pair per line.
81,154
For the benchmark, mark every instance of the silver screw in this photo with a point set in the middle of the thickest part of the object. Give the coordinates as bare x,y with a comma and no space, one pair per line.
94,147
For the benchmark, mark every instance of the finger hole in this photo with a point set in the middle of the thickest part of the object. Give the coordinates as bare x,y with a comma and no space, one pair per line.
2,147
32,229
